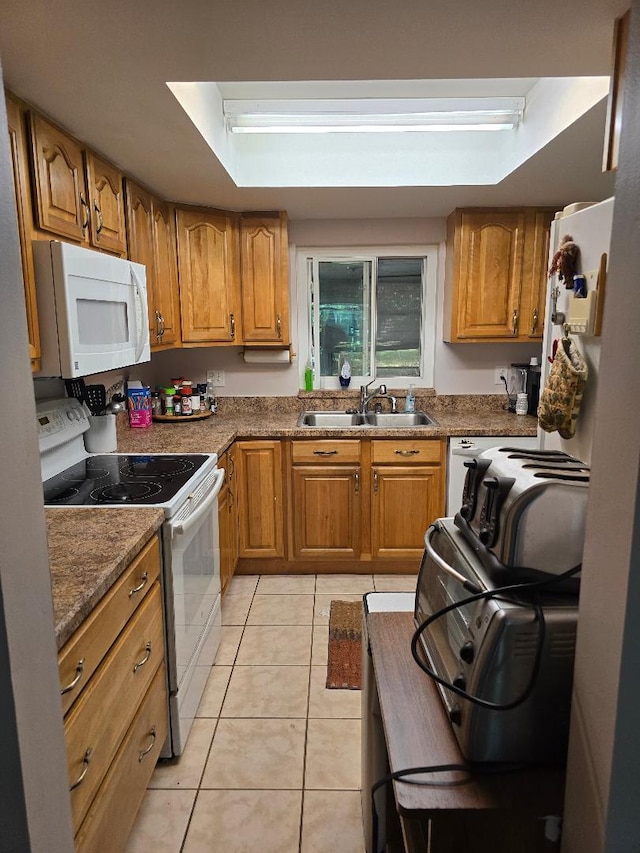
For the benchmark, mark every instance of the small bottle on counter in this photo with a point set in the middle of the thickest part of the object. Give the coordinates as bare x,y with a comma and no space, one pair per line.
177,404
168,401
410,400
522,404
186,403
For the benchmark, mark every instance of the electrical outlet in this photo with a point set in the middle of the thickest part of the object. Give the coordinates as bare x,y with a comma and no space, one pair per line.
217,377
499,373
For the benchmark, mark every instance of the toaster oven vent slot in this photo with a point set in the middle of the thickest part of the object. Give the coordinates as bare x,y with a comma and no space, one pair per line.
525,645
563,645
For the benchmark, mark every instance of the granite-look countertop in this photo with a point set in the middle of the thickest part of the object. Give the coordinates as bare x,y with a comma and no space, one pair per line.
215,434
89,548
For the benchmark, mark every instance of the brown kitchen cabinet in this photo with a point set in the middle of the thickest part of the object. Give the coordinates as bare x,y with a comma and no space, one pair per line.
326,500
264,276
16,119
495,279
209,276
114,697
228,519
405,474
260,491
78,195
152,242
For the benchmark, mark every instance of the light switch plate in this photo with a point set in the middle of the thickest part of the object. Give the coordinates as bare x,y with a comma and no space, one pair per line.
217,377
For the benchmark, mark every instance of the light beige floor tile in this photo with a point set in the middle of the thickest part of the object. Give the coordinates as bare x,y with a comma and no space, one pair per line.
325,703
287,645
323,605
235,609
287,585
161,823
344,583
267,691
333,755
332,820
320,644
186,771
229,643
395,583
214,691
256,754
281,610
245,822
242,585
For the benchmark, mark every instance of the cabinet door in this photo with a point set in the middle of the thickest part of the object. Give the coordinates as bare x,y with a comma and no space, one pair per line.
139,215
260,491
209,275
396,532
488,250
166,295
61,201
228,522
17,144
106,199
326,511
534,285
264,273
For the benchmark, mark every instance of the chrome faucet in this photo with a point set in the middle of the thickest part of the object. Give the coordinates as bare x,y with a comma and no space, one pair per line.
381,392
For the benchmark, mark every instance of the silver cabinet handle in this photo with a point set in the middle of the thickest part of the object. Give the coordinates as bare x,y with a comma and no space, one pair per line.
100,224
325,452
146,751
163,327
73,683
232,326
514,323
375,482
406,452
143,580
534,321
158,327
85,769
356,482
144,659
279,326
85,206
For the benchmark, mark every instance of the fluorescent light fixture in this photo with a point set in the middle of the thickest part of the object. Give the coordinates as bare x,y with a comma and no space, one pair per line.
373,115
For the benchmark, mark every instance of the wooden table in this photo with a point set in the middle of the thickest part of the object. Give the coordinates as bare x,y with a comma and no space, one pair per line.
480,813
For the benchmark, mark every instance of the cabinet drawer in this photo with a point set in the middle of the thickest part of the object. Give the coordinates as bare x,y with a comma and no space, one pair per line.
101,716
113,811
416,451
81,655
326,451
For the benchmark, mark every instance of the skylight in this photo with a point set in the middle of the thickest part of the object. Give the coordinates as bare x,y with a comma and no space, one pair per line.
378,133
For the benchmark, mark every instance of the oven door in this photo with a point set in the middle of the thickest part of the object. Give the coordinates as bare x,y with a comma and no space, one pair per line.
192,602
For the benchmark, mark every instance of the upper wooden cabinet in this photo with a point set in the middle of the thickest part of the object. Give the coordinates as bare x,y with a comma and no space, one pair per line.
152,242
19,156
496,274
86,208
209,275
264,273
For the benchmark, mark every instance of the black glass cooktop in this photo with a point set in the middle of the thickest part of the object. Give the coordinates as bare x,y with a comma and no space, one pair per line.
107,480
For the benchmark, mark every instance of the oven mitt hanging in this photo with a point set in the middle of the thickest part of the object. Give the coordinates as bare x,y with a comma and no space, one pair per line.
560,400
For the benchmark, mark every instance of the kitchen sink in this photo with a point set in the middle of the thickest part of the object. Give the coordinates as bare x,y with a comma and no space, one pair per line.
399,419
384,420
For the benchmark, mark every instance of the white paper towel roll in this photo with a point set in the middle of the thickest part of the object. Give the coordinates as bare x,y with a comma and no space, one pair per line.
267,356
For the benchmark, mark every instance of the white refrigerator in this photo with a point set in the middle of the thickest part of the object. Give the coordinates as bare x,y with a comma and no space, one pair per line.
590,229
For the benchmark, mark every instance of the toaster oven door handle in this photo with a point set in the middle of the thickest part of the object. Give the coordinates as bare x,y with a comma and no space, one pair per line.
437,559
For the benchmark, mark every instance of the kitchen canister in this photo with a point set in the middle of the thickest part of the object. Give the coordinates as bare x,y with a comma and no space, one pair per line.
101,435
522,404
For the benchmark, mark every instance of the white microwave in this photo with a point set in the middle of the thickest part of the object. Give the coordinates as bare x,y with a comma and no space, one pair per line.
92,310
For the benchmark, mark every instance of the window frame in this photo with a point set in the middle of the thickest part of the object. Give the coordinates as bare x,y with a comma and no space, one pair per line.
430,254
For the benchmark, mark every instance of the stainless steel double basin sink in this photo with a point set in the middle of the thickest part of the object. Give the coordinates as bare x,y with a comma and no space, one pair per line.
386,420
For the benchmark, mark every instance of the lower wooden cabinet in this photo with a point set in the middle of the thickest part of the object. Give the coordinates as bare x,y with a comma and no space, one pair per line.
113,684
407,495
260,491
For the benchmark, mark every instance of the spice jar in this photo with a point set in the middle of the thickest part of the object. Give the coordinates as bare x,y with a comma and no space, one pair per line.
185,399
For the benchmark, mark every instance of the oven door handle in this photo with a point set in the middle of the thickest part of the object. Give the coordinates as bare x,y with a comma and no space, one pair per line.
202,509
437,559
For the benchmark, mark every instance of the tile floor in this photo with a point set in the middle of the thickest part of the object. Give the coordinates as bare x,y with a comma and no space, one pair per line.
272,764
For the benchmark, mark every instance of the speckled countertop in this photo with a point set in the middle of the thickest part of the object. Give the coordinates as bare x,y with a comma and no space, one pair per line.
89,548
88,551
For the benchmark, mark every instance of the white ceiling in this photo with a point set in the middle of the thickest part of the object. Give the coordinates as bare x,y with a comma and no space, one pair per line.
100,70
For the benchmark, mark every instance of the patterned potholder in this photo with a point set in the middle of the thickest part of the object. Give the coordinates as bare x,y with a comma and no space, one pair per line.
560,400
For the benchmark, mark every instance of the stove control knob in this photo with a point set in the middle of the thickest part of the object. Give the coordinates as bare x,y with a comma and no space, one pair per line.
455,715
460,681
467,652
70,414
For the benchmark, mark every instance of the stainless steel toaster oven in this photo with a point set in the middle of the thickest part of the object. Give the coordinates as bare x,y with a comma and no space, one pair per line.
507,658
